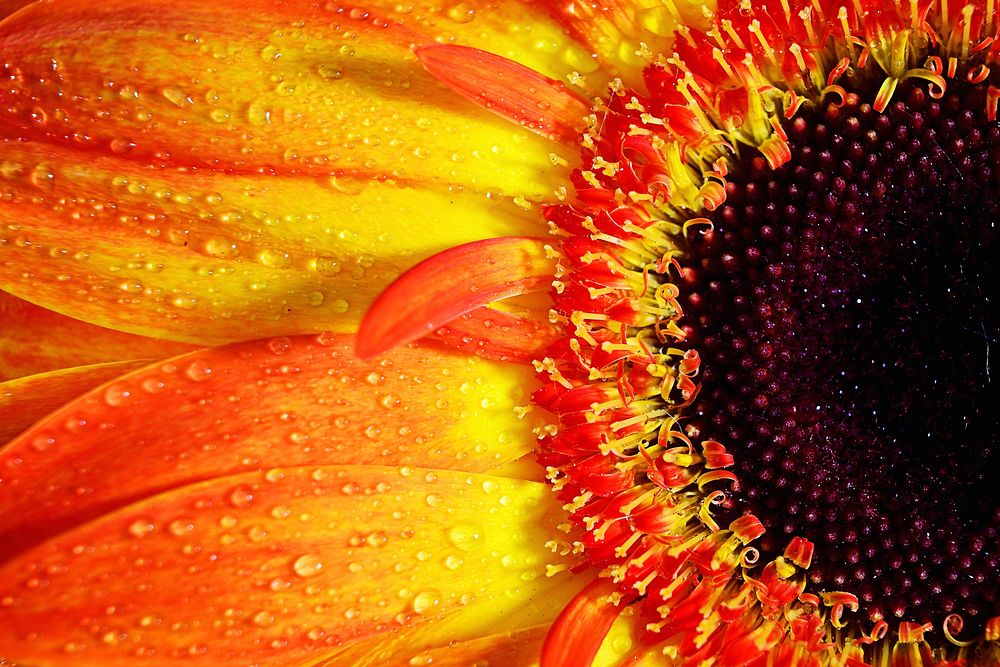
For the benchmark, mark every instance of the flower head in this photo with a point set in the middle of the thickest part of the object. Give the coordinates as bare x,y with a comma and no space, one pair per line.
766,440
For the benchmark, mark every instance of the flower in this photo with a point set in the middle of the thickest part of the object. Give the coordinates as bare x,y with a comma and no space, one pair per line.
211,174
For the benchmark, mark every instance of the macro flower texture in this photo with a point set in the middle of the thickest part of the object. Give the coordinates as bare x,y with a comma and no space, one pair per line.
499,332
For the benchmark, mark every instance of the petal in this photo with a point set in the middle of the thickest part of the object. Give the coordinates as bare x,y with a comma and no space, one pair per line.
35,340
519,647
251,406
26,400
211,257
450,284
495,334
577,635
460,636
617,30
277,567
289,87
509,90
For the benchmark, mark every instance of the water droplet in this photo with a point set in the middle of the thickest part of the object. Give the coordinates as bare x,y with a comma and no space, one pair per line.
42,176
279,345
176,96
141,527
222,248
425,601
198,371
326,266
307,565
117,395
463,12
241,497
453,562
274,258
339,306
465,536
263,619
328,71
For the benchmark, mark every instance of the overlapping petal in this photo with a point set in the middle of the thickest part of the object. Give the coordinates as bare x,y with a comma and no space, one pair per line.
279,402
27,399
34,340
211,173
273,567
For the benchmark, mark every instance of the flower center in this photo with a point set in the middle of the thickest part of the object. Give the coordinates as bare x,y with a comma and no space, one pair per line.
846,309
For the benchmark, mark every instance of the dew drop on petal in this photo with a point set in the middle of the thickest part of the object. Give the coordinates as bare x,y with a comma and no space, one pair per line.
198,371
465,536
425,601
308,565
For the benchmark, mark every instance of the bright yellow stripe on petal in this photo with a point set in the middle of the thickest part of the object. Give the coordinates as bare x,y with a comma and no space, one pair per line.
212,258
295,564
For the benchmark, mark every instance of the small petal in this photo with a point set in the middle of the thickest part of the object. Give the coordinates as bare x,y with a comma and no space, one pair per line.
27,399
450,284
260,404
576,636
494,334
34,340
277,567
509,90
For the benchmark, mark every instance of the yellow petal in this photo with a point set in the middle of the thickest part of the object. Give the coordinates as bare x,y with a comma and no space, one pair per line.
260,404
308,559
212,258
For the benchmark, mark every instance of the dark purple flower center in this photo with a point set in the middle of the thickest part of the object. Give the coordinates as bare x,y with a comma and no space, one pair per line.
847,311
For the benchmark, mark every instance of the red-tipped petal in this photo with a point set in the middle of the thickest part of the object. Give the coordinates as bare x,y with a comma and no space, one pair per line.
26,400
508,89
281,402
494,334
576,636
450,284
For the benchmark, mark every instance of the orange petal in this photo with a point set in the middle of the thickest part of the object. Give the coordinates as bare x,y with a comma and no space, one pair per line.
276,568
509,90
494,334
576,636
185,83
279,402
35,340
520,647
450,284
461,635
26,400
223,257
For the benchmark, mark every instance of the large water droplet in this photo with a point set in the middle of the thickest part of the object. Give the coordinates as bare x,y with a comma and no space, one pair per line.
465,536
308,565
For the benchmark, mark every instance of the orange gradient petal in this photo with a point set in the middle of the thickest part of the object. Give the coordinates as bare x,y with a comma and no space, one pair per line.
509,90
450,284
209,172
276,567
251,406
494,334
577,635
27,399
35,340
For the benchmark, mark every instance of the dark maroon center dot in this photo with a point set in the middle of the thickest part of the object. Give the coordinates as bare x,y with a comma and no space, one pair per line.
847,310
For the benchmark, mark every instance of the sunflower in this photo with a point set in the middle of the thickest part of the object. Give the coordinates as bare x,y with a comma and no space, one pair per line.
745,260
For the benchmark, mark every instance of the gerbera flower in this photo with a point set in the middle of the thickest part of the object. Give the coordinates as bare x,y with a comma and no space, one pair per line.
765,371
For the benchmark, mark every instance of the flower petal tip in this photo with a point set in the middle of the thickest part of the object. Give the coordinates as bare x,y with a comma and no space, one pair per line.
509,89
450,284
